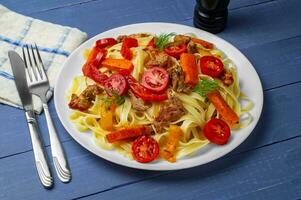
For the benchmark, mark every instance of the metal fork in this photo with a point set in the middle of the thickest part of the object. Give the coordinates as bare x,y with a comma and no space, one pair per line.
39,85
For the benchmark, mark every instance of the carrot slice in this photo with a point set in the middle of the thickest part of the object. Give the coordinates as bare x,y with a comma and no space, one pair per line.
207,45
223,108
128,133
189,66
174,136
121,65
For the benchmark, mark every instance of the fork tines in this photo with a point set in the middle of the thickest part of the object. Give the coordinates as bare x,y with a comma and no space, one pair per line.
33,62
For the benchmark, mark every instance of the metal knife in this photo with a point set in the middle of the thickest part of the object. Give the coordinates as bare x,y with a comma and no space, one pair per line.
18,68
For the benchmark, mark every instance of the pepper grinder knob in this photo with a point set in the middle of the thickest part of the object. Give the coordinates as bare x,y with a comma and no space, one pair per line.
211,15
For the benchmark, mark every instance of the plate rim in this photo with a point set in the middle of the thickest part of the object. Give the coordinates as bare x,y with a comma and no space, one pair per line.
145,166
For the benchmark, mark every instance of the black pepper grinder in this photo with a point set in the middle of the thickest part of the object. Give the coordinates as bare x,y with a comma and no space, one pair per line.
211,15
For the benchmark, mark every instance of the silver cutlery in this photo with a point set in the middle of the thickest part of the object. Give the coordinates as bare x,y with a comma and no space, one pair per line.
38,84
18,68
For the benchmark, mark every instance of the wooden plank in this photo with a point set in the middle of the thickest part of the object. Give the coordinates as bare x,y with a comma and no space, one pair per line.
277,63
18,177
98,16
243,30
14,137
261,24
250,23
237,4
37,6
126,13
34,6
271,172
92,174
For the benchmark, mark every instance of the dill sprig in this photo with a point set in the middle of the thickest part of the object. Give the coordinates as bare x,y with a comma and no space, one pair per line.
162,39
205,86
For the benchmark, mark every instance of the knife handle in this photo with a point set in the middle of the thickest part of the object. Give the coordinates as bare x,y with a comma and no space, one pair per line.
58,155
38,150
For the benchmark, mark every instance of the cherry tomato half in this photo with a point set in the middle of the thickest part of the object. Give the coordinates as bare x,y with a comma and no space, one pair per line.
105,42
145,149
175,49
144,93
116,83
211,66
126,45
217,131
155,79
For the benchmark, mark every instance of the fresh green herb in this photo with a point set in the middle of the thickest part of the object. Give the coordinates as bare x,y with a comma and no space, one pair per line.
205,86
118,99
162,39
115,99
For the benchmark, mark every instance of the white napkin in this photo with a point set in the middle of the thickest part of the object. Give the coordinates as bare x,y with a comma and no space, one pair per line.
55,43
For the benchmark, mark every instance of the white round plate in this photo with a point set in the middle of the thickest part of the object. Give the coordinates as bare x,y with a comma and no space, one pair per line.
249,82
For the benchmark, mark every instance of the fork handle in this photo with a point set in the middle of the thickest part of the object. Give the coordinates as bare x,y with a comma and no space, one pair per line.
58,155
38,150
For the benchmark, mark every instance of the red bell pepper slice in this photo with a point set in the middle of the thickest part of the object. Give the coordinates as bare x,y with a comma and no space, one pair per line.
92,72
105,42
126,45
90,68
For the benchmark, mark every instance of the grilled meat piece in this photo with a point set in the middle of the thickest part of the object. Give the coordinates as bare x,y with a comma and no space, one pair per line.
192,47
169,112
138,103
85,100
182,38
156,58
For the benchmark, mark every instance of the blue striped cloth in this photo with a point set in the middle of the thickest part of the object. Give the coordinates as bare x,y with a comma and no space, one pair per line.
55,43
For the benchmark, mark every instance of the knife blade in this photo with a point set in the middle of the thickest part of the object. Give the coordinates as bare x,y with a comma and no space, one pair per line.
18,68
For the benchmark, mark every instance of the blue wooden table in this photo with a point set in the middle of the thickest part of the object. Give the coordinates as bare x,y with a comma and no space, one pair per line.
266,166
